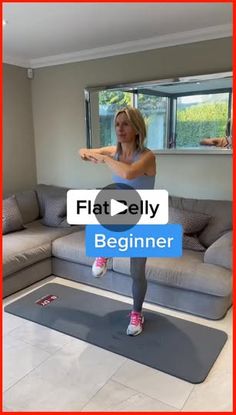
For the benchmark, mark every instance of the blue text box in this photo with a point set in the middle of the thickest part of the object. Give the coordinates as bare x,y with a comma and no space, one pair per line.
163,241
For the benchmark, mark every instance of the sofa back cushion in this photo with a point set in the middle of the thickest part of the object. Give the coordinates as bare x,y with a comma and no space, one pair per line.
28,205
55,212
45,192
219,210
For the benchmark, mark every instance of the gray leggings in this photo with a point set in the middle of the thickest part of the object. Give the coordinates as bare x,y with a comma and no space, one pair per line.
139,287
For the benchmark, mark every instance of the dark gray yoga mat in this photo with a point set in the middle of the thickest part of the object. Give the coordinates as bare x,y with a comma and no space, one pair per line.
180,348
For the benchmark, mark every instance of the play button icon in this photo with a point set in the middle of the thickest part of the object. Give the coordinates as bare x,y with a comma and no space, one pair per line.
117,207
119,197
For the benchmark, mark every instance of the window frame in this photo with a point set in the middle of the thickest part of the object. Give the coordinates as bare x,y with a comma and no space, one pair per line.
171,110
212,92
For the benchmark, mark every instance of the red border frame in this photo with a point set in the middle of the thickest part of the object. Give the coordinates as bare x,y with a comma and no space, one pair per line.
120,1
233,187
1,354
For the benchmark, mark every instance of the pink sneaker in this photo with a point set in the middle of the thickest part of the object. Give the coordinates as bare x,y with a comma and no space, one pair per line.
99,267
135,326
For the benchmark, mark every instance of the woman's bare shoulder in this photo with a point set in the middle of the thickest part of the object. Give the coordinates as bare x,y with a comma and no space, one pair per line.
148,153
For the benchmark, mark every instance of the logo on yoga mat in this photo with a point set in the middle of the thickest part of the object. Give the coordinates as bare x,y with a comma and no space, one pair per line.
46,300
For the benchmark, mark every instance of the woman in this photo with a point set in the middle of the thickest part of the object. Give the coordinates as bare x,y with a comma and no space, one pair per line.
134,165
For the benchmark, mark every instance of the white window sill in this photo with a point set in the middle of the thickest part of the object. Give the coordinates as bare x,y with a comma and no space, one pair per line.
207,152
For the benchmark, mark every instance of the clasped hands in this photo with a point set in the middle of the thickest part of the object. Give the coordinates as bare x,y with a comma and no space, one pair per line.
90,155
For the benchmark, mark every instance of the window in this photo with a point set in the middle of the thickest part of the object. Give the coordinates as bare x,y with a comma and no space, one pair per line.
200,116
155,113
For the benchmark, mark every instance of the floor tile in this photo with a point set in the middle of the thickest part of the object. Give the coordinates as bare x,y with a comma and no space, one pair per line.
40,336
5,409
19,359
34,393
11,322
214,394
154,383
79,363
142,402
67,380
108,397
117,397
224,362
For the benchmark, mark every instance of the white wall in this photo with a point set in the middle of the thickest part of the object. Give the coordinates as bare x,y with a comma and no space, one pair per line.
200,176
59,118
19,164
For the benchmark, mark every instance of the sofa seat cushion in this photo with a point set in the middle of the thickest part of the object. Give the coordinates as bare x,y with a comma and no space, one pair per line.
26,256
72,248
26,247
188,272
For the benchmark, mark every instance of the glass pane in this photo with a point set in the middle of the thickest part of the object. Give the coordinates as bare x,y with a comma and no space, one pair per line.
199,117
154,111
109,103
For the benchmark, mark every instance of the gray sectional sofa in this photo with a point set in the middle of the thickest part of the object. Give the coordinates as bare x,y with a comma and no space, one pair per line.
200,282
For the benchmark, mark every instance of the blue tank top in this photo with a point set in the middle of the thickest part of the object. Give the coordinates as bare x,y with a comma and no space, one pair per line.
141,182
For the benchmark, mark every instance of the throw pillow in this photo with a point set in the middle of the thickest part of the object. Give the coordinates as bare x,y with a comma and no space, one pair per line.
55,212
11,216
191,242
220,252
192,222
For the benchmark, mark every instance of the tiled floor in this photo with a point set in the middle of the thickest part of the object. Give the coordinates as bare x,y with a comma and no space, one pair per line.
45,370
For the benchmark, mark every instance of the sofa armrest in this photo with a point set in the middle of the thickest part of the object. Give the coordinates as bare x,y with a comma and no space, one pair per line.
220,252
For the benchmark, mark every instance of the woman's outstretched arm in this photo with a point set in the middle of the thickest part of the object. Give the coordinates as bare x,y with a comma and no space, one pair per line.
146,163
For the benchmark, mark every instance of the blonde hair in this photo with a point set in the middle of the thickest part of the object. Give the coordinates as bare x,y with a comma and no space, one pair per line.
138,124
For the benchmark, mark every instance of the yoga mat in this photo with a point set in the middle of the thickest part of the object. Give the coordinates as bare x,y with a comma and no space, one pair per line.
180,348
